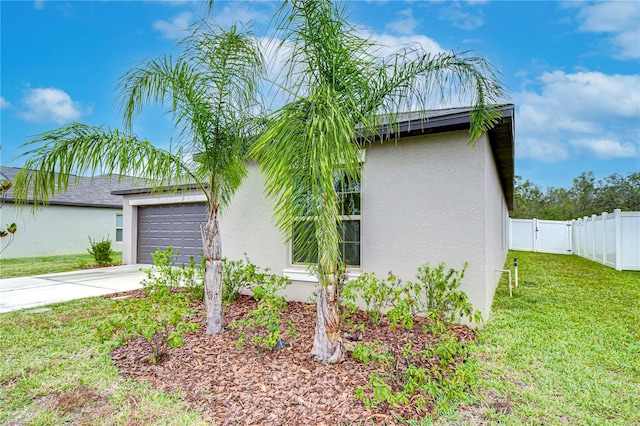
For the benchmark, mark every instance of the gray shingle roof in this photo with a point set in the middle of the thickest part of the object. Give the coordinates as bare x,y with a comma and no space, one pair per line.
89,192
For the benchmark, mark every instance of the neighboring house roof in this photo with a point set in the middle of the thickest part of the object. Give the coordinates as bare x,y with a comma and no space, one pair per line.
82,191
501,139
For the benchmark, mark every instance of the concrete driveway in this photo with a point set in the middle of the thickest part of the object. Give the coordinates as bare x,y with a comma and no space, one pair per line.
28,292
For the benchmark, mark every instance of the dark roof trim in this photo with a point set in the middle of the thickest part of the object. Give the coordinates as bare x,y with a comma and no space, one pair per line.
68,203
501,139
150,190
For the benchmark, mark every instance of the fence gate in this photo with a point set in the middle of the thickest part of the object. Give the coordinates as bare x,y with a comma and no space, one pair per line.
547,236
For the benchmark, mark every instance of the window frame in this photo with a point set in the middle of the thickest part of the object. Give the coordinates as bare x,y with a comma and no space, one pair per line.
343,218
119,228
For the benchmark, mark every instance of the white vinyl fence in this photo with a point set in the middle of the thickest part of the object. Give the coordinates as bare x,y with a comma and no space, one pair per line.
547,236
611,239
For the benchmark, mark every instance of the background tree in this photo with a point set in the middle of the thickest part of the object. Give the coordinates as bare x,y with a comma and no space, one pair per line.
585,197
210,91
338,86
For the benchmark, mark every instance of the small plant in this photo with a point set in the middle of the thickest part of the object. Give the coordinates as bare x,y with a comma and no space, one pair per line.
192,278
439,373
436,373
439,292
238,275
436,294
165,274
101,251
265,323
379,295
160,318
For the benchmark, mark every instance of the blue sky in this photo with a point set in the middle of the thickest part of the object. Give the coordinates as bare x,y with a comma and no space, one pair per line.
571,68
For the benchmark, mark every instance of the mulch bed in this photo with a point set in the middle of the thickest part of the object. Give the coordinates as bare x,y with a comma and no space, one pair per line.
248,386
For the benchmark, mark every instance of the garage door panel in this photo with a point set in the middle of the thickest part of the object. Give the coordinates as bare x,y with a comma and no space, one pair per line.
176,225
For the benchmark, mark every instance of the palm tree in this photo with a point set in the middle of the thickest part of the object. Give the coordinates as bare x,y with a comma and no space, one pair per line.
339,89
210,91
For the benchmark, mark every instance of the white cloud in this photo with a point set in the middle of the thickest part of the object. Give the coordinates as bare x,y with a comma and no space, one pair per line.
461,19
50,105
176,27
38,4
240,12
390,44
4,103
584,113
607,148
404,24
541,149
619,19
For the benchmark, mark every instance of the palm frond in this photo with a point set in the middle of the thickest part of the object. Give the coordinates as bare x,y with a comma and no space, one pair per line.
78,149
211,92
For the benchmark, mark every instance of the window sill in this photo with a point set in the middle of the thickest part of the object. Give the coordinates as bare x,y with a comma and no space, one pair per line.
304,276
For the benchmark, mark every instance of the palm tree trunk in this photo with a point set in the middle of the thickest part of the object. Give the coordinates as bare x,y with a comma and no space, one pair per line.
327,343
213,272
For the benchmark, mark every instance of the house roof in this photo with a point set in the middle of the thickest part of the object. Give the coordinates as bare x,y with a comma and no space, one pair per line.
501,136
501,139
88,192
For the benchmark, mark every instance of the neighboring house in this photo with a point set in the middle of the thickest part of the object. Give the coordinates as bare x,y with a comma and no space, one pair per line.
66,223
427,197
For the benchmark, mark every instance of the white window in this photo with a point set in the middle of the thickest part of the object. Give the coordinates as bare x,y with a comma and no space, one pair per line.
118,227
350,215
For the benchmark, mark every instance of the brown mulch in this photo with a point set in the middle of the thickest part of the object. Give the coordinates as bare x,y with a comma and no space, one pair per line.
228,385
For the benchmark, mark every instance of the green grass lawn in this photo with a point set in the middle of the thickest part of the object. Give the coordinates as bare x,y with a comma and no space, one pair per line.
25,266
53,371
564,350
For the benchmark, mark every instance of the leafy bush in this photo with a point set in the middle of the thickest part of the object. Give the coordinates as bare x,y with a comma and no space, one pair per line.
378,295
436,373
439,373
101,251
265,323
238,275
439,292
161,318
165,274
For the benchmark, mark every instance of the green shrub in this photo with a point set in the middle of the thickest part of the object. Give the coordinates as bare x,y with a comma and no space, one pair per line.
439,373
161,318
101,251
438,291
378,295
265,324
165,274
237,275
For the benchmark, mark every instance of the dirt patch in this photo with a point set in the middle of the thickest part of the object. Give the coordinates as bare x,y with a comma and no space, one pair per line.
228,385
72,401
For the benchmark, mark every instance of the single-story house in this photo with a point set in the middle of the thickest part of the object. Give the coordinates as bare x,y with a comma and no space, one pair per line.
426,197
66,223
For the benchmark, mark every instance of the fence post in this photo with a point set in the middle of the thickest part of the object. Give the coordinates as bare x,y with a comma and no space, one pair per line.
574,246
618,238
585,243
593,236
604,238
570,226
534,231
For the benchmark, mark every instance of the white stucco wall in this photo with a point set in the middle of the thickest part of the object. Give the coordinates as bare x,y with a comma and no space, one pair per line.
57,230
424,199
497,240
